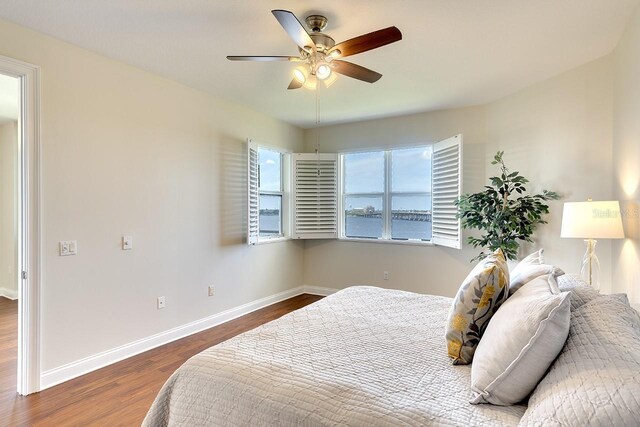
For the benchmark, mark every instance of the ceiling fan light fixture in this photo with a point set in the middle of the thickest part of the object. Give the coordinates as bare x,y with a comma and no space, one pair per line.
323,71
300,74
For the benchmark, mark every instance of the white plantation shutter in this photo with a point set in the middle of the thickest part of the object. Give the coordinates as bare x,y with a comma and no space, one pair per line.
315,198
447,187
253,198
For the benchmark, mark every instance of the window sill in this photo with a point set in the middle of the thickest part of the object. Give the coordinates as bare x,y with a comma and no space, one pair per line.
387,242
268,240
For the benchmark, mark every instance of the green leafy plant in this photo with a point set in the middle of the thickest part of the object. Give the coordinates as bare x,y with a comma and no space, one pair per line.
503,212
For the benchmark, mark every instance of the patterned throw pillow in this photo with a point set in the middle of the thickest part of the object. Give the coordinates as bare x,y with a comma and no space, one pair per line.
479,297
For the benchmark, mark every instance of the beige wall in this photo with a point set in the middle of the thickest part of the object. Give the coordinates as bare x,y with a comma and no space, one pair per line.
557,133
626,159
127,152
8,214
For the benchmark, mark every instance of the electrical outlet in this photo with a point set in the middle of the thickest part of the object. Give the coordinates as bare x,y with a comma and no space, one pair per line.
161,303
211,290
385,275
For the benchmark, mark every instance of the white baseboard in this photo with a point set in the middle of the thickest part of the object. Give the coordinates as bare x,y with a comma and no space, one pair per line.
319,290
9,293
88,364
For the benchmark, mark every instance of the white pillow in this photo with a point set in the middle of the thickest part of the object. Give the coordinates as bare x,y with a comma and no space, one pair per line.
522,340
527,273
535,258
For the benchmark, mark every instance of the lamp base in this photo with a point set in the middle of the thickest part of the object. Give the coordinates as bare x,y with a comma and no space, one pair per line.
590,270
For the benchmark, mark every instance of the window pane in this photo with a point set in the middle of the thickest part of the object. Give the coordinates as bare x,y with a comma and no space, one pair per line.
411,170
364,172
270,215
363,217
411,217
270,169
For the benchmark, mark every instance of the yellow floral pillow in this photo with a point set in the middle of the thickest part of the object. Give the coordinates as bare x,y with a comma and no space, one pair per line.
479,297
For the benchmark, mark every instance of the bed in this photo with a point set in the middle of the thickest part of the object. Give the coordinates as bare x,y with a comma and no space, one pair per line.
360,357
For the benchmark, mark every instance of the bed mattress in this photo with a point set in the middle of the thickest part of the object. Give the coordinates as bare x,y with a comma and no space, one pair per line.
363,356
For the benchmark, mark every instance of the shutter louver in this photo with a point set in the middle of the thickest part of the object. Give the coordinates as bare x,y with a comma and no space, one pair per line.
315,196
447,187
253,199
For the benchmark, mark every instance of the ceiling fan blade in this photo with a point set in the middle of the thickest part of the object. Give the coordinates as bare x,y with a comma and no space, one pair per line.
294,28
350,69
262,58
366,42
295,84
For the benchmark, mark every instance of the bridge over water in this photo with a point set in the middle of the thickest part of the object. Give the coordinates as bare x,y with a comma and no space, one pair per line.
424,216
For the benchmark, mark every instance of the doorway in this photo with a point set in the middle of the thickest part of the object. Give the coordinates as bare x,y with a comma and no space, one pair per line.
9,233
19,226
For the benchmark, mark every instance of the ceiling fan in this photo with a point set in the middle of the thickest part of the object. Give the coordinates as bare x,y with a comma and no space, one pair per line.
319,53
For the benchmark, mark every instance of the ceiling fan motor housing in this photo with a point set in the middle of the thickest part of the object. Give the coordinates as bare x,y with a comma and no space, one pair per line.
316,23
323,41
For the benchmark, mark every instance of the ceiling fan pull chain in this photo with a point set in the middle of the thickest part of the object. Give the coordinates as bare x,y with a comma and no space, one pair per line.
317,119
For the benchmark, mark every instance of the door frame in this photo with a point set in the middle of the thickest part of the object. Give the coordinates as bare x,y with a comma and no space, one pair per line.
28,223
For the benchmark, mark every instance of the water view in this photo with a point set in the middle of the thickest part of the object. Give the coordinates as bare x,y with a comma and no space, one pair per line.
401,229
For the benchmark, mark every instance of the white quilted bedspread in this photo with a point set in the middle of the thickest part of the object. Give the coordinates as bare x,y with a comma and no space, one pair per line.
364,356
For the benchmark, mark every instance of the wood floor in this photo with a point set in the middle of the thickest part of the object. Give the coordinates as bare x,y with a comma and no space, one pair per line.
120,394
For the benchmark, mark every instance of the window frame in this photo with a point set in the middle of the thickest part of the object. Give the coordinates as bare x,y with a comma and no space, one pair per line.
285,187
387,197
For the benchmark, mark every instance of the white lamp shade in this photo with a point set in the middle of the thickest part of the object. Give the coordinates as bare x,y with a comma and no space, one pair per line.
592,220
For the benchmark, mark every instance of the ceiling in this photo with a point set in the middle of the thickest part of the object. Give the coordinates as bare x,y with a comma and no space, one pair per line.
453,53
9,99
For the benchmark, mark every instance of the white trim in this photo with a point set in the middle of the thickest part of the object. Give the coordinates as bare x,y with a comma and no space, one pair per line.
29,221
266,241
12,294
318,290
410,242
88,364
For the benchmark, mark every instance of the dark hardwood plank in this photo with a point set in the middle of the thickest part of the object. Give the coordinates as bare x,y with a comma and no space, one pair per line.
120,394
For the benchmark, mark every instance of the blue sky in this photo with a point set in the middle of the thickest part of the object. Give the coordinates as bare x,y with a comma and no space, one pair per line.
410,172
269,177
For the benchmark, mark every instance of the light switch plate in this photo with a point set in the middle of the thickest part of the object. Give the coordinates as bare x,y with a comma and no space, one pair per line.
68,247
127,243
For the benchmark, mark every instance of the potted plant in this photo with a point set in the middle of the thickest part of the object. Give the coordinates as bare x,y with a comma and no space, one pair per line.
503,212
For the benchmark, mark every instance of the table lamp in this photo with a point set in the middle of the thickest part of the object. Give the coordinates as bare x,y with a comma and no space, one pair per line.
590,221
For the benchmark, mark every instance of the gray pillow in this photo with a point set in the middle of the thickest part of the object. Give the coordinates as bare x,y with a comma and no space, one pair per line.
621,297
581,292
595,381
